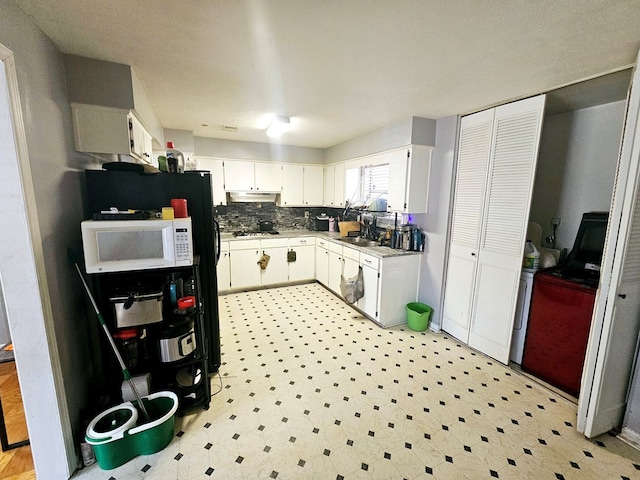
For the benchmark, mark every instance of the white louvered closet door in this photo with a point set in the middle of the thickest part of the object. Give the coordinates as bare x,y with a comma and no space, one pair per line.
613,339
514,154
471,177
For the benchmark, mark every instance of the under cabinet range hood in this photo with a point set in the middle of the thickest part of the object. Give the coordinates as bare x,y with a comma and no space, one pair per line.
255,197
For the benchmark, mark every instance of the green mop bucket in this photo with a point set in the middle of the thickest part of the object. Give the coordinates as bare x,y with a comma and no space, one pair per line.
125,441
418,315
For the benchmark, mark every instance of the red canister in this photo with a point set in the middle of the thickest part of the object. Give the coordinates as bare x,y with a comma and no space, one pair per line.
179,207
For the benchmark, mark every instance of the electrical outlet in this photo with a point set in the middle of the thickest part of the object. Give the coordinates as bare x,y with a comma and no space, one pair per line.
306,214
556,221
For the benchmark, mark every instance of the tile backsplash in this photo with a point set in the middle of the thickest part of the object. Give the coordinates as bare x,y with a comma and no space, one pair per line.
246,216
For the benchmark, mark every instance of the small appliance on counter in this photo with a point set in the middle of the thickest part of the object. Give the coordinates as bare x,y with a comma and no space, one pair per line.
138,301
127,245
177,340
322,223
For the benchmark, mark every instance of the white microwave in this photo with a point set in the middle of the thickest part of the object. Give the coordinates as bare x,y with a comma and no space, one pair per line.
125,245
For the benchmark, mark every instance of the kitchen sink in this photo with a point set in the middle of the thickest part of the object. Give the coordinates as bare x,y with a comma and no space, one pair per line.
358,241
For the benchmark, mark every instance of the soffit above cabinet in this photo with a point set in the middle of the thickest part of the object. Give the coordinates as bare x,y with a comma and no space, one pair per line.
112,85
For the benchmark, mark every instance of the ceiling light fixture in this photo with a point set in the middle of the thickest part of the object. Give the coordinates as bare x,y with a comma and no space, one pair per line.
278,126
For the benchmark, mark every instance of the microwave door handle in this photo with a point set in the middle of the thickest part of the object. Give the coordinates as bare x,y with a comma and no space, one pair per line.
217,225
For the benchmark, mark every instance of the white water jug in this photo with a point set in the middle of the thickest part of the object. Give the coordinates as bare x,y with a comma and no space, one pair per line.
531,256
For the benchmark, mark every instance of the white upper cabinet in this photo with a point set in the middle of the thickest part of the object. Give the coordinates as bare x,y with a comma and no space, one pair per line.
106,130
313,184
406,180
238,176
215,166
329,183
334,195
268,177
140,140
247,176
409,180
302,185
292,187
338,191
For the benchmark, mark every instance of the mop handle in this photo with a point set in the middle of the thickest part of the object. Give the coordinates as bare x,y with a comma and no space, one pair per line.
123,366
125,371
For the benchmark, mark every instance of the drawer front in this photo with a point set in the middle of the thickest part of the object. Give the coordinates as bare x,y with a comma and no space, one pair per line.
322,242
299,241
274,242
335,247
244,245
224,247
351,253
369,261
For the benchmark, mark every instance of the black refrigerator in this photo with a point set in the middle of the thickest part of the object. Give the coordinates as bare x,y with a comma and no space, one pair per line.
142,191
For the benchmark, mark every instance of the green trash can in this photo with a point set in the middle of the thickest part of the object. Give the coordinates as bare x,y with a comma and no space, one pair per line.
418,315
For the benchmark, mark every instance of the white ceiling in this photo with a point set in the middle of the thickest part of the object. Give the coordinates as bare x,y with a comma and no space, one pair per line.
341,68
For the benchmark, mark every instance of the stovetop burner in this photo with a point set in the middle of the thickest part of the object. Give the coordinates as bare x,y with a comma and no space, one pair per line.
254,233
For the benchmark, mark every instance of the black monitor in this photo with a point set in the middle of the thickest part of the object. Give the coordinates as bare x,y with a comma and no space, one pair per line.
589,243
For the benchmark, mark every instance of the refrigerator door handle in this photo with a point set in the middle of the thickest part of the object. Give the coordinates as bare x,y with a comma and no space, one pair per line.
217,225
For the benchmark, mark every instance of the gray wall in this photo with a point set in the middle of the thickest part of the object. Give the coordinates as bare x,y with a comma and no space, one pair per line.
435,223
58,182
97,82
415,130
211,147
576,167
109,84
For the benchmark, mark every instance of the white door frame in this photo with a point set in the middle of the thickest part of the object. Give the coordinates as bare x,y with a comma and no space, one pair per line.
26,296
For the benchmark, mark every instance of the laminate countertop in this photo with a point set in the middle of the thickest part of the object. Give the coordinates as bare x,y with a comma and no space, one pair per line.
377,251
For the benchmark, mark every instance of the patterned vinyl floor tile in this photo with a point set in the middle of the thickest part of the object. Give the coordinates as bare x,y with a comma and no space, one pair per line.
311,389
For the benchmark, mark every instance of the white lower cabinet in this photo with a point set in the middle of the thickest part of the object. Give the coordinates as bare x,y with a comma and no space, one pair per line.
322,261
369,302
389,282
277,268
223,268
398,286
245,271
303,268
350,262
335,267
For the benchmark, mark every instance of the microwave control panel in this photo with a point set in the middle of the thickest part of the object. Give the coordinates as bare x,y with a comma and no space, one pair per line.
183,242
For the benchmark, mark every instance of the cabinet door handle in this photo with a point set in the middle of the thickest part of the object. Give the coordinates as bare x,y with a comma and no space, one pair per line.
473,254
622,295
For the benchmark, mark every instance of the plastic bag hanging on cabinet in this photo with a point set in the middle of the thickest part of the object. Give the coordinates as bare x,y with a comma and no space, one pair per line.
352,289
